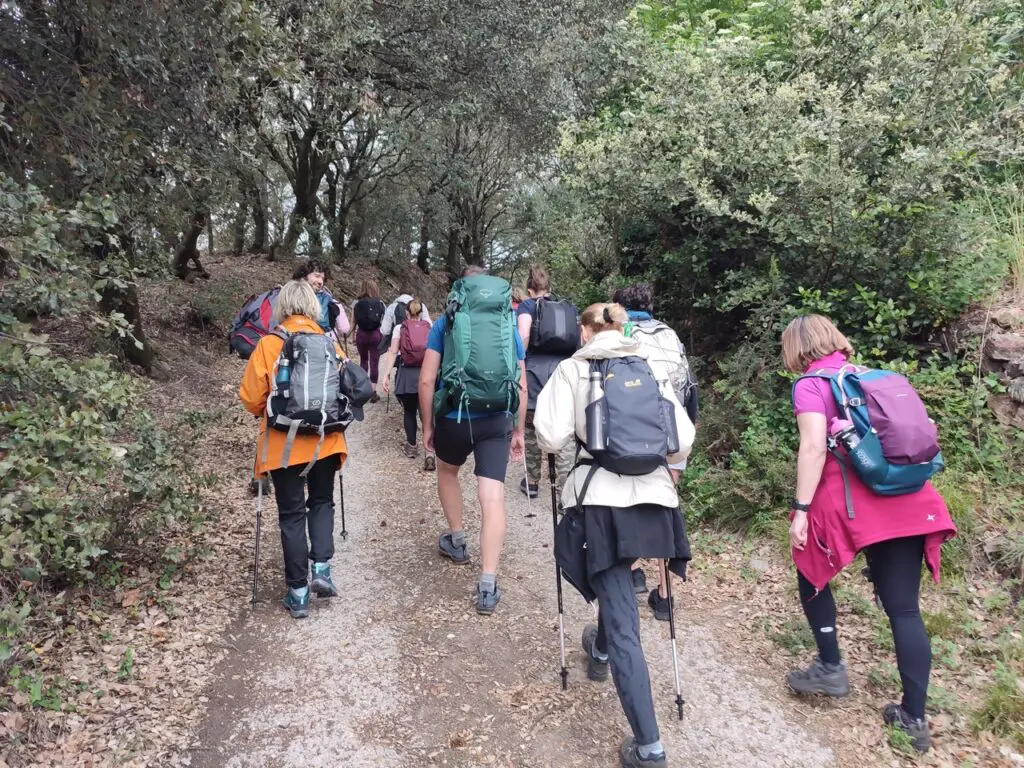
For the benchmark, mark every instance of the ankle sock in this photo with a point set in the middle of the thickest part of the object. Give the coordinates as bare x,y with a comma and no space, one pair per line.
647,751
598,656
486,582
459,538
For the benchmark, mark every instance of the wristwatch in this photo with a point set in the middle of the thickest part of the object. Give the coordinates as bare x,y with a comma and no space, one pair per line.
796,505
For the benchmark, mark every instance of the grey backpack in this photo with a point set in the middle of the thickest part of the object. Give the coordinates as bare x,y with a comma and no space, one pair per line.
639,423
307,397
665,354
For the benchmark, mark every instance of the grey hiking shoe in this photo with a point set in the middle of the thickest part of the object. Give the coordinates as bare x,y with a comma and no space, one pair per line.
596,670
322,585
457,555
532,490
486,602
629,756
827,679
429,463
918,731
297,605
411,451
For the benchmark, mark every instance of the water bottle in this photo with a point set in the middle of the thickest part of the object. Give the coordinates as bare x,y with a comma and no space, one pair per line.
284,375
597,433
844,433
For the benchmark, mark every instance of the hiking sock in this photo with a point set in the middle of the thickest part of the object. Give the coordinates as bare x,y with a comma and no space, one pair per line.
647,751
598,656
300,592
487,581
459,538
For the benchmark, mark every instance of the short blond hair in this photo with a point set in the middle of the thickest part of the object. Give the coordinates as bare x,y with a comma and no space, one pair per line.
604,317
296,298
811,337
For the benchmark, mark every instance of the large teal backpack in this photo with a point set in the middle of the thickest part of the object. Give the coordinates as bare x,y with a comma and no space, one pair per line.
479,369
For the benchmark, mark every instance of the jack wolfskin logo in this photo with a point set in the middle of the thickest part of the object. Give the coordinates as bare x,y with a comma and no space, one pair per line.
633,383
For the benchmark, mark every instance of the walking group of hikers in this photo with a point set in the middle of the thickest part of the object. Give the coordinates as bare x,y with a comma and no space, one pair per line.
607,394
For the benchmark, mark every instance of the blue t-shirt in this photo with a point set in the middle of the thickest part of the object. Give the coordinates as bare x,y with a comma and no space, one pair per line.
435,341
527,307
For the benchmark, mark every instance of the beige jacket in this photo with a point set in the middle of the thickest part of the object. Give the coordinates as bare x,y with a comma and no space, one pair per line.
560,418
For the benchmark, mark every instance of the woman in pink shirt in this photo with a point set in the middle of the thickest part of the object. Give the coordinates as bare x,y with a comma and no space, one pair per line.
897,534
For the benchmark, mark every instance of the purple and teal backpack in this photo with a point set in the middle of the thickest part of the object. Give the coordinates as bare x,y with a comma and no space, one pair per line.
898,451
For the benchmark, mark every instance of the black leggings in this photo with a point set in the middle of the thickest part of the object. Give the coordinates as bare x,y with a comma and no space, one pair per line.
896,572
411,408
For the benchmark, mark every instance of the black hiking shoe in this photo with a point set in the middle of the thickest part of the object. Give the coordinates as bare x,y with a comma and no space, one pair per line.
639,581
597,670
486,602
821,678
457,555
660,605
918,731
532,490
629,756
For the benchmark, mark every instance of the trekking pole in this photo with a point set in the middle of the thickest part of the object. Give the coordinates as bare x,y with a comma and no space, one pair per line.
529,500
387,405
558,571
259,521
341,492
672,634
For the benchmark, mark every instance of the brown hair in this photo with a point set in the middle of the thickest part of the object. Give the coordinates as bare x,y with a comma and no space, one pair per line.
370,289
517,293
473,270
811,337
413,309
604,317
538,280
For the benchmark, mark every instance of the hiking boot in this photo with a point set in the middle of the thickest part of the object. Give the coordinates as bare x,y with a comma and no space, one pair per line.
534,488
639,581
826,679
457,555
918,731
322,585
297,605
597,670
486,602
659,605
374,398
411,451
429,463
629,756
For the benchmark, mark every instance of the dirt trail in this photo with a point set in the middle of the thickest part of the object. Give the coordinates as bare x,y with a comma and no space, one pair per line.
400,671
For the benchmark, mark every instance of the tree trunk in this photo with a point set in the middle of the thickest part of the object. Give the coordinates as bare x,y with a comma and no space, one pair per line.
423,257
259,219
209,234
238,228
188,250
135,350
452,260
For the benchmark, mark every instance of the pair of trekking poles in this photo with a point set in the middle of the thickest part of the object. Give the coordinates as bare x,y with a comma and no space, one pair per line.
259,523
564,673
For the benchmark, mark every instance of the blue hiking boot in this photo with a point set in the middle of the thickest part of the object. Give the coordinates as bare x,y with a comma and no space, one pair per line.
322,585
457,554
486,602
296,603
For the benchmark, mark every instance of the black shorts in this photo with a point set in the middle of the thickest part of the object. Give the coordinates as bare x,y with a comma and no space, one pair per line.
487,438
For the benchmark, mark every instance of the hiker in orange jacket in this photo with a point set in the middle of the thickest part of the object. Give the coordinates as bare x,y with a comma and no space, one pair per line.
297,311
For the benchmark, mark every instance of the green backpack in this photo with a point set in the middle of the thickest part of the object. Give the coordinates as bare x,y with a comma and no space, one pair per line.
479,369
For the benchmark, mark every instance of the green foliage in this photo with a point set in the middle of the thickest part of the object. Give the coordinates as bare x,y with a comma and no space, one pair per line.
1002,712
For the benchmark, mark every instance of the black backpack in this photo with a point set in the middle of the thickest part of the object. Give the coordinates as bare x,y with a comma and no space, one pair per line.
556,327
369,314
639,422
401,314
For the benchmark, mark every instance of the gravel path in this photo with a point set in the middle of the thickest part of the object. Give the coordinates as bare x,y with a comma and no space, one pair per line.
400,671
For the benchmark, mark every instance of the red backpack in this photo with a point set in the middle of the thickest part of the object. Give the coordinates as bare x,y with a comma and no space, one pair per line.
251,323
412,342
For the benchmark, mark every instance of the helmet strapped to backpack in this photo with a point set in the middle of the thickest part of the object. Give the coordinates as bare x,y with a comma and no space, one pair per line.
665,353
307,397
896,450
479,369
556,327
